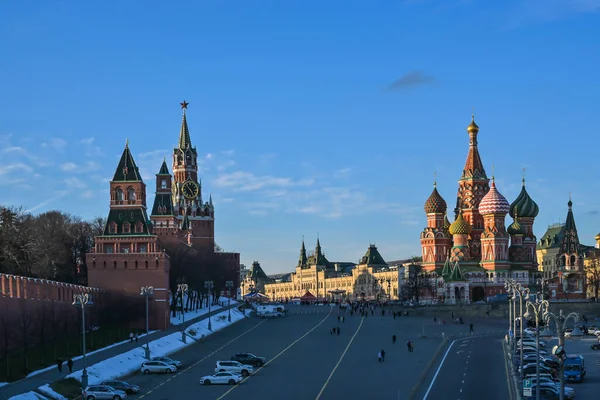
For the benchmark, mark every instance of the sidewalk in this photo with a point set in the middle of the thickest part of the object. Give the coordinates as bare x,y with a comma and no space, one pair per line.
52,375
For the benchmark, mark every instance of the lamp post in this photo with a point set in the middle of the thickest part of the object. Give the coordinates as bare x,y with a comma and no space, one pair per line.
242,284
182,288
560,321
229,285
539,308
509,286
523,293
82,300
209,285
541,281
147,291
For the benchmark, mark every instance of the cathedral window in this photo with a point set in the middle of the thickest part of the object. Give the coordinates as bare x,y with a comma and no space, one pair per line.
131,194
143,248
126,227
109,249
139,228
119,195
188,159
112,228
125,248
163,184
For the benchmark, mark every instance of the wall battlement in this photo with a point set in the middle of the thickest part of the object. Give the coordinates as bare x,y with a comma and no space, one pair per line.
23,287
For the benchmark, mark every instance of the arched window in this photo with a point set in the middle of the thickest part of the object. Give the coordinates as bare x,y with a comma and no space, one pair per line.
163,184
131,194
188,159
119,195
126,227
112,227
573,261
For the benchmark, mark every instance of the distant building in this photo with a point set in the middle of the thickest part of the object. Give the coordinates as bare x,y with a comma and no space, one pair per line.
315,276
471,258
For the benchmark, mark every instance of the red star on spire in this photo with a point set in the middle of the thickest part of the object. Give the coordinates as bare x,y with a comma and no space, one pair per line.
184,105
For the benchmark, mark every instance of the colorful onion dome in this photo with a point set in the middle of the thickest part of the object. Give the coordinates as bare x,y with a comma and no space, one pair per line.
527,207
447,223
493,202
515,228
435,203
472,128
460,226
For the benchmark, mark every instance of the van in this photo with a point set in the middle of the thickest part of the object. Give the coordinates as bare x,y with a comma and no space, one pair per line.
574,368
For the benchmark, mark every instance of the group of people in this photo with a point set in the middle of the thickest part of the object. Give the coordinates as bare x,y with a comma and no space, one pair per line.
60,362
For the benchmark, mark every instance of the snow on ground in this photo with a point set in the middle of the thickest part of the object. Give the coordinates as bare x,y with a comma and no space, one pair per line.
131,361
39,371
28,396
3,383
48,391
178,320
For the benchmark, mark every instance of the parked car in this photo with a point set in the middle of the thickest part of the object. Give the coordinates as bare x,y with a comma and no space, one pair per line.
168,361
124,386
234,366
157,367
221,378
249,359
102,392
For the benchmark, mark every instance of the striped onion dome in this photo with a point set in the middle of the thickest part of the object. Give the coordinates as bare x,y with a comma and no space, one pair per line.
515,228
494,203
527,207
460,226
435,203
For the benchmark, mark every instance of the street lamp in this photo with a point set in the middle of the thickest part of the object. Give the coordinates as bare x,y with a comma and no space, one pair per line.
209,285
82,300
523,293
147,291
560,321
510,289
182,288
539,308
229,285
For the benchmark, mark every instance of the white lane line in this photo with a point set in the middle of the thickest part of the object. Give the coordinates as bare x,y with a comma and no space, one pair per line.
440,368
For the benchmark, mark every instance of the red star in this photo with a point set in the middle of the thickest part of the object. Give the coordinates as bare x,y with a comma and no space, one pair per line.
184,105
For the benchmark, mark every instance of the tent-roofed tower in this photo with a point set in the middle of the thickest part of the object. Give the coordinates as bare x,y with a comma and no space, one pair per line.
435,238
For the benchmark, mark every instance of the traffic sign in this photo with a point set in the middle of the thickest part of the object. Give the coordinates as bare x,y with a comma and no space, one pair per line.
527,392
527,385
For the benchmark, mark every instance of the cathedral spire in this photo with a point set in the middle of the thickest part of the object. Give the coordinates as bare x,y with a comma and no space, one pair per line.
127,170
184,133
473,165
303,259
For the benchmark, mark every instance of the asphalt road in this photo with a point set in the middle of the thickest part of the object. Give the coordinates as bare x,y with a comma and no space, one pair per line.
305,361
473,369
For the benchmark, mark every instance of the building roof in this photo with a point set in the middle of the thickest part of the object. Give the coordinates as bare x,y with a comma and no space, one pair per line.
185,142
524,205
473,165
256,272
460,226
127,170
164,170
373,258
456,274
553,237
435,202
122,217
493,202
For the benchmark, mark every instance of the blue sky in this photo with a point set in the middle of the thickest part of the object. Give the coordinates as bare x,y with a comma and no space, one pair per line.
312,117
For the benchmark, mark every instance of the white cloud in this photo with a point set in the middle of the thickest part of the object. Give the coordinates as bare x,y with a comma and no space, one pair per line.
88,194
87,167
342,173
55,144
68,166
247,181
75,183
44,203
152,154
14,168
89,147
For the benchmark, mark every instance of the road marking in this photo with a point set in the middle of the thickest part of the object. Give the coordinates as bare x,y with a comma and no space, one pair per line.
199,361
440,368
340,360
278,355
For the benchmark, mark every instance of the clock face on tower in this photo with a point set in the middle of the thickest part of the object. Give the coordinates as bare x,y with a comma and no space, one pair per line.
190,190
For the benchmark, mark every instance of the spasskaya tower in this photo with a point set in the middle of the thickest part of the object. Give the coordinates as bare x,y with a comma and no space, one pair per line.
193,215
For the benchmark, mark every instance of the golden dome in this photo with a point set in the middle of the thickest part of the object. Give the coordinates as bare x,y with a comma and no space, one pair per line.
472,128
460,226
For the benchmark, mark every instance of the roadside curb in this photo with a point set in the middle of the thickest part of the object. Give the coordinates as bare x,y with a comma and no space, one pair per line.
419,383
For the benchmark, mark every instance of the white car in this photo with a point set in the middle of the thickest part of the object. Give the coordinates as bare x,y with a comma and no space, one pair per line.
221,378
102,392
529,342
157,367
168,361
235,367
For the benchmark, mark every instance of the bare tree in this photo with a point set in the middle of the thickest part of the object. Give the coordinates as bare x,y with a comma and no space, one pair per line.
416,283
592,270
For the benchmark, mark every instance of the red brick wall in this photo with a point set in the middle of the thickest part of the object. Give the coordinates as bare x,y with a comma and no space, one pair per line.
20,287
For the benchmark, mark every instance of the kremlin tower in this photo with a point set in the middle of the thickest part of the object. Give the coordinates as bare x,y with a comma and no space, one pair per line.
474,255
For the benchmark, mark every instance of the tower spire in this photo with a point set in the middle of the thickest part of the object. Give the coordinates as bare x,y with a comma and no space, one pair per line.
184,133
435,179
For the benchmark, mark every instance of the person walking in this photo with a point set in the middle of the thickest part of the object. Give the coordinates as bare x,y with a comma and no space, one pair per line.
131,337
382,355
337,330
59,364
379,356
70,365
393,339
137,335
471,328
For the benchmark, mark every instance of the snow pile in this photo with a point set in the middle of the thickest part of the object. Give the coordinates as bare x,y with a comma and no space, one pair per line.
29,396
48,391
191,314
131,361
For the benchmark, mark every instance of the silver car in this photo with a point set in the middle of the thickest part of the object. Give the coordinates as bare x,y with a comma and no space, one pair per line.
168,361
102,392
157,367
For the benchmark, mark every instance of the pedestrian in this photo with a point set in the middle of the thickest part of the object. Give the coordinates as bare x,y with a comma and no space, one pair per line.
131,337
412,347
59,364
382,355
337,330
379,356
137,335
393,338
70,365
471,328
434,319
453,316
409,346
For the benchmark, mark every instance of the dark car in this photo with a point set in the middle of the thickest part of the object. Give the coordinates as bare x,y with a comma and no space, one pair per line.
124,386
249,359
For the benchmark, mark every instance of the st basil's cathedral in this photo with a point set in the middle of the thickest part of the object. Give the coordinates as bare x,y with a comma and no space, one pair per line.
470,258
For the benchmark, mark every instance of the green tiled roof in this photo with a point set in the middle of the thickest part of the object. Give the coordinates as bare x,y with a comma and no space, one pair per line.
552,238
184,134
163,205
164,170
127,170
372,257
456,275
132,216
256,271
